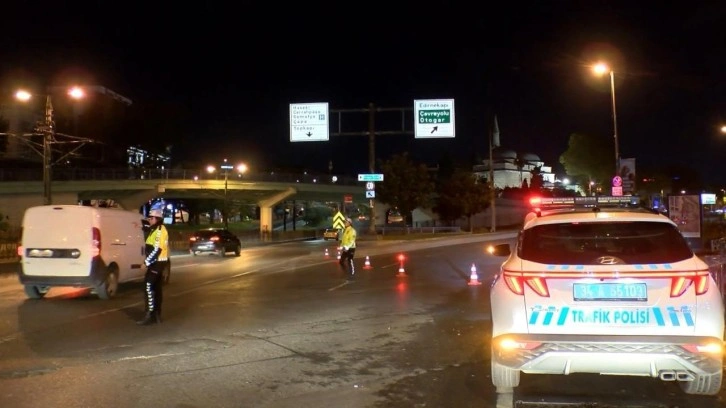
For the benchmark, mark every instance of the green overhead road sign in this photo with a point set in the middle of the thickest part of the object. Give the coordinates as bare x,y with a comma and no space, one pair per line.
434,118
370,177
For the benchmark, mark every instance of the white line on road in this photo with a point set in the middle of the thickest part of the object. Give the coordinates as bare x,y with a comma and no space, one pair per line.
338,287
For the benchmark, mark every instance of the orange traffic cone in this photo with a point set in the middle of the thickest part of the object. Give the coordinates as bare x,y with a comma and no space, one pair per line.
327,254
401,271
367,265
474,278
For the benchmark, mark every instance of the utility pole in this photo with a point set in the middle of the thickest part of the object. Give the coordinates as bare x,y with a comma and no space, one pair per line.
48,130
372,161
492,192
493,142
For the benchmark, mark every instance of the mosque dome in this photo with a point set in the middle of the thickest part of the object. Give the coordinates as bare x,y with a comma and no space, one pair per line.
529,157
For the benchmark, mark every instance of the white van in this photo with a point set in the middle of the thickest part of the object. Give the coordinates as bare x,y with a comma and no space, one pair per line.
80,246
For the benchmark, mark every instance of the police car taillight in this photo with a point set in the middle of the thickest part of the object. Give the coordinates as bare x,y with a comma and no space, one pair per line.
516,283
710,348
679,284
512,344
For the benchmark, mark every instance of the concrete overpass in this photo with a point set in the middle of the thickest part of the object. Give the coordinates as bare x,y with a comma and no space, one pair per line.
131,193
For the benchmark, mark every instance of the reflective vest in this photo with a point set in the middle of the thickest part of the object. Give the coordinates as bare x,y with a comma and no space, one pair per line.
349,235
157,245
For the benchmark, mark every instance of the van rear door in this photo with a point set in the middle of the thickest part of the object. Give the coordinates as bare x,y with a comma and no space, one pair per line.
58,241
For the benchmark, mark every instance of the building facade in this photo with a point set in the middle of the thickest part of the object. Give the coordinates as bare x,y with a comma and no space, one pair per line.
512,169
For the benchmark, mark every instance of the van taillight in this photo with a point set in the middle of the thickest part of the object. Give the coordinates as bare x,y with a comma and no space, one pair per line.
96,251
679,284
516,283
20,250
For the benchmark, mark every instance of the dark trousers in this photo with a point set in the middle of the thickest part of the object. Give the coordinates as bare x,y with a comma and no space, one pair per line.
153,282
346,262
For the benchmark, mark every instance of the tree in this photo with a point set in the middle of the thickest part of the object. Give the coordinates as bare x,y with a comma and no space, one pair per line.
462,195
537,181
196,207
406,185
588,158
520,162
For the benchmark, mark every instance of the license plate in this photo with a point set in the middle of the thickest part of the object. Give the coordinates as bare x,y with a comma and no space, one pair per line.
610,291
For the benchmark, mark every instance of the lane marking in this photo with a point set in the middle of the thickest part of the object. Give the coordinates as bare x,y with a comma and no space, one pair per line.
338,287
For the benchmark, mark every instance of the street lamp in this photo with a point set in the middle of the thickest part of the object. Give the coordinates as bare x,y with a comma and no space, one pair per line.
226,167
601,69
48,130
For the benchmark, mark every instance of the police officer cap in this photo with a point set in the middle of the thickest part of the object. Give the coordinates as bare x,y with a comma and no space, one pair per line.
155,212
347,219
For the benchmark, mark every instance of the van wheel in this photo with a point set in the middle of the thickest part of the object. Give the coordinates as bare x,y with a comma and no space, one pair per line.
238,250
108,288
36,292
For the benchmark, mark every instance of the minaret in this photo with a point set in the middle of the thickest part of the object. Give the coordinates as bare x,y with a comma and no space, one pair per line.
493,142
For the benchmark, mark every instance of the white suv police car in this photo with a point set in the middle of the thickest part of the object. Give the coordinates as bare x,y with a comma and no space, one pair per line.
598,285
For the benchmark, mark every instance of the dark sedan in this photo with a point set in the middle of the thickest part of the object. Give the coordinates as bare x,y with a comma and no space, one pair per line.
214,240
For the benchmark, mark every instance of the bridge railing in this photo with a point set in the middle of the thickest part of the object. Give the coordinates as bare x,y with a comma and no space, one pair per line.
81,174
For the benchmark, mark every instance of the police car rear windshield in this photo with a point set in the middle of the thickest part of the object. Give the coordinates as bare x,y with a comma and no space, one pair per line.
585,243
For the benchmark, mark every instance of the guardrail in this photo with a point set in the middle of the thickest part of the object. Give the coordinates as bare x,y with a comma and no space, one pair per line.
84,174
385,230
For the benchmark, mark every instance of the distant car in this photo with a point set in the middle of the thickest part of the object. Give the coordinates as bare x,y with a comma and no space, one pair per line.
331,233
394,216
214,240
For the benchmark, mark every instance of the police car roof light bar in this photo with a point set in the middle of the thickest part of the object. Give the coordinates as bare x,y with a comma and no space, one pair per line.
585,202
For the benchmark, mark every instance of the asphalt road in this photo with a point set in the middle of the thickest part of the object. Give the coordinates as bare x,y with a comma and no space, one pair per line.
277,327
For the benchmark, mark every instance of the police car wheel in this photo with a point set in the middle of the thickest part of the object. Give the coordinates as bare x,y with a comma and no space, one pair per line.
504,378
707,384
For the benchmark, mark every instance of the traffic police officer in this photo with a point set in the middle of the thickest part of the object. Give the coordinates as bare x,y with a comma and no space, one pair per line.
347,242
157,260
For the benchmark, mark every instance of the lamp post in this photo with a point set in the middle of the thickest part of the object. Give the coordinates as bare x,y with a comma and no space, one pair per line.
600,69
226,167
48,130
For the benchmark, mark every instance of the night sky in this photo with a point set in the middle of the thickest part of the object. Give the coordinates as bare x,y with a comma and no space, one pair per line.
215,80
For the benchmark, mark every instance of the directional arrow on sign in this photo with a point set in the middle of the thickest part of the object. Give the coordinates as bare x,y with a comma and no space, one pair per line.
308,134
434,129
338,220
